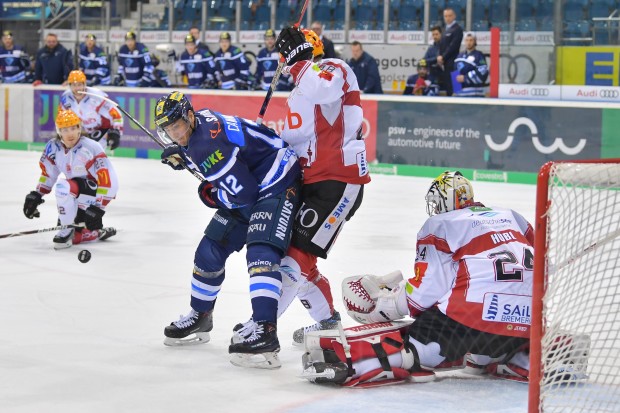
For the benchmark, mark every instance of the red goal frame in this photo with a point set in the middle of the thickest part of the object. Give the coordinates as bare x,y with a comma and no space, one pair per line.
540,277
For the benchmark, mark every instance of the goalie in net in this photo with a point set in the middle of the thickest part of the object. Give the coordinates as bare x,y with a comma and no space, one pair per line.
470,297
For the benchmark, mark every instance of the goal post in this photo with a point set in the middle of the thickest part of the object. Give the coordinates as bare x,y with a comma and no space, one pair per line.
575,330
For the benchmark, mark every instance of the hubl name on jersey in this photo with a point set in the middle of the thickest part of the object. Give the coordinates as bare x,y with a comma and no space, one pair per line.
475,265
234,154
324,122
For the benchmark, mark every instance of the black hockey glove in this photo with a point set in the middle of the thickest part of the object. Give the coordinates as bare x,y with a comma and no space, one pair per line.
206,192
174,157
114,138
293,46
33,200
93,217
86,186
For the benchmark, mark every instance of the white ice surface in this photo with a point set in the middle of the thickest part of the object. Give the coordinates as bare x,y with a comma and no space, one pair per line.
88,337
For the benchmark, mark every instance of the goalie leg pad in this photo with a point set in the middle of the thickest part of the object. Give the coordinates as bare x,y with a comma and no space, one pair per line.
379,356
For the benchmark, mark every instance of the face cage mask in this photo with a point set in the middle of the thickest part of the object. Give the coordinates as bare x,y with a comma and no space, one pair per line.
435,202
163,135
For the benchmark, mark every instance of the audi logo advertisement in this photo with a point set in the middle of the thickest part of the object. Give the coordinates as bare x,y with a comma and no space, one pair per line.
565,92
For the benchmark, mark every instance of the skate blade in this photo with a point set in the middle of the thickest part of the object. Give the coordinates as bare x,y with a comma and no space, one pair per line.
311,374
63,245
198,338
256,361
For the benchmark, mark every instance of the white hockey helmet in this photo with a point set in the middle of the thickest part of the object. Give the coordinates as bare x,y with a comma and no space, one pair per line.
449,191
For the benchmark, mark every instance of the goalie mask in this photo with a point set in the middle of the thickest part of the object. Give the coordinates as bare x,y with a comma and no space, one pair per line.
449,191
168,111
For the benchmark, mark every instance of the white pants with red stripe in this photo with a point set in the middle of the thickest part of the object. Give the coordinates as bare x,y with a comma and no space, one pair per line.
68,201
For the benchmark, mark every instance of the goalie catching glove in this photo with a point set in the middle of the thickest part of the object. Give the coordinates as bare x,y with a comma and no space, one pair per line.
374,299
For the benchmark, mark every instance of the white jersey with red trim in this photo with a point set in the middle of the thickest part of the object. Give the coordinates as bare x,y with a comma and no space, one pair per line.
324,122
85,160
475,265
95,113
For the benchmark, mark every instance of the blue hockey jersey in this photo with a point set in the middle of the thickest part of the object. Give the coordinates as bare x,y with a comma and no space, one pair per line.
473,66
199,68
244,161
233,69
13,64
94,64
417,86
135,65
266,65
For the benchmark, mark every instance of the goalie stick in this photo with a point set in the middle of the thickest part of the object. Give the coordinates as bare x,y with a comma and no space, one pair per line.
276,76
149,134
38,231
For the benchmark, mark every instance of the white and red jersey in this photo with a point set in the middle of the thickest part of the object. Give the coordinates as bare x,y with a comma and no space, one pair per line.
85,160
324,122
475,264
95,113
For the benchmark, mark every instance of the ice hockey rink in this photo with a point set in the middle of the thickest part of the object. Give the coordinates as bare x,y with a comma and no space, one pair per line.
88,337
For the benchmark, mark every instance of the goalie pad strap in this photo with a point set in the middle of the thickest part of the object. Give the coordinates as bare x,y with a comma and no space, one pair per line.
379,377
382,356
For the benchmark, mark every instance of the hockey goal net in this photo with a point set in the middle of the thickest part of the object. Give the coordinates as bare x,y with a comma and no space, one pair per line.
575,341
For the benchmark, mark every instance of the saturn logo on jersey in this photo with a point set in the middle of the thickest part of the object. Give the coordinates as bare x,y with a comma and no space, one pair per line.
283,221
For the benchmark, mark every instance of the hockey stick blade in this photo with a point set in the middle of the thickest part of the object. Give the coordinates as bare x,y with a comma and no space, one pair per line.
276,76
149,134
38,231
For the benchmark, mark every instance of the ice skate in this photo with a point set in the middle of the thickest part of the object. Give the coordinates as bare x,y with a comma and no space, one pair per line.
242,330
64,239
259,349
190,329
105,233
322,372
327,324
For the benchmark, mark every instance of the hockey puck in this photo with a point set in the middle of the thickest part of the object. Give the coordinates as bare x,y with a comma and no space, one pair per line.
84,256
